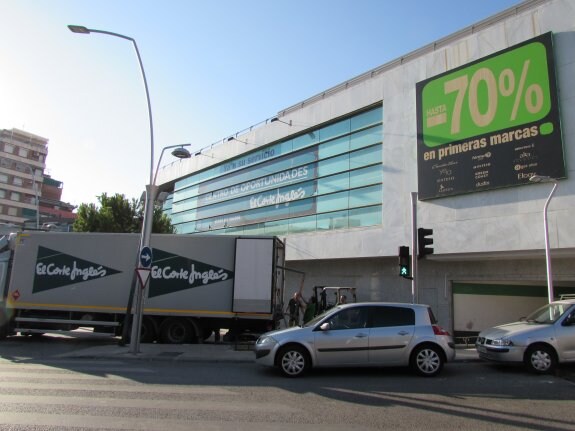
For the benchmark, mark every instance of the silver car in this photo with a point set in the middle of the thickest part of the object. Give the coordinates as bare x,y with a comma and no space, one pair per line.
358,335
540,341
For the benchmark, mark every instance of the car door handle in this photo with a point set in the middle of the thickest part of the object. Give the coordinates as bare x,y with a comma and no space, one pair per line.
361,335
403,333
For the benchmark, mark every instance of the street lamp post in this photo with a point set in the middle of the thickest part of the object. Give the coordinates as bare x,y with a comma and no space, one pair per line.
150,192
540,179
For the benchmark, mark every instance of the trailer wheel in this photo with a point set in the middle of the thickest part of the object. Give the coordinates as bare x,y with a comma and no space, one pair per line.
3,324
149,330
207,333
175,330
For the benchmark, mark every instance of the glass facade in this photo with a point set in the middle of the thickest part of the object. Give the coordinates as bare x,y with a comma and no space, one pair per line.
327,178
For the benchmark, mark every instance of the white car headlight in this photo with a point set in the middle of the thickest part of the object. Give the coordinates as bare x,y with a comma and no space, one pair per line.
266,340
502,342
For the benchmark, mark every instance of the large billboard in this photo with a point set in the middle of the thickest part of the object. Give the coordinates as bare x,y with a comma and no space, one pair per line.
489,124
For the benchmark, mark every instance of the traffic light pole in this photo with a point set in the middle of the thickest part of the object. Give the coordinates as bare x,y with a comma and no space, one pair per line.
414,293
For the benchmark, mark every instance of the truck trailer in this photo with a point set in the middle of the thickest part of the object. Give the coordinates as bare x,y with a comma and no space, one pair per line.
53,282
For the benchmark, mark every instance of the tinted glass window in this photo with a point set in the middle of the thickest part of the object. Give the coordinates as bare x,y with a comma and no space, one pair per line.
334,183
334,220
350,318
367,118
333,202
382,317
334,130
328,178
369,216
365,196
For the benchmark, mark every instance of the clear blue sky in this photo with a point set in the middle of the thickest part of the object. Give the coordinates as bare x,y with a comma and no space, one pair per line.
213,68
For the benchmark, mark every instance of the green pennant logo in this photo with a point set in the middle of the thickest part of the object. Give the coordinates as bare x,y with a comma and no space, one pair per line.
173,273
55,269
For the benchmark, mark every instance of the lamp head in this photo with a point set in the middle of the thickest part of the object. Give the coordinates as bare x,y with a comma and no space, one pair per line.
79,29
181,153
539,178
273,120
233,138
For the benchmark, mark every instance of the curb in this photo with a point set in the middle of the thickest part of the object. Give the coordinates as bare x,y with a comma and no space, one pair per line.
206,353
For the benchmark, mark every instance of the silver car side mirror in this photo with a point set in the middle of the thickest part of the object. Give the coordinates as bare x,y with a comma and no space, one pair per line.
325,326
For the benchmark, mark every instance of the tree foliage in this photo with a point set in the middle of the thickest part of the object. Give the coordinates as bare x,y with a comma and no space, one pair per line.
119,215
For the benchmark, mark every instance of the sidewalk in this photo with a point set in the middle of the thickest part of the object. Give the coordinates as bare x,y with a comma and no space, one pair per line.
207,352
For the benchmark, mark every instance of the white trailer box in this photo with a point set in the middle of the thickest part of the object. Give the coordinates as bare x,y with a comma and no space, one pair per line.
60,281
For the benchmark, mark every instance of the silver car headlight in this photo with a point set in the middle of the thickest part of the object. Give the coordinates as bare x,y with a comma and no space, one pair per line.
266,340
502,342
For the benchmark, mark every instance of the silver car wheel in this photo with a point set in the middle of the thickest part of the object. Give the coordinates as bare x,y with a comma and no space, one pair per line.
541,360
427,361
293,362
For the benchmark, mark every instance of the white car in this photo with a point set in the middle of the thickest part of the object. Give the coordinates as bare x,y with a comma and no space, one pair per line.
357,335
540,341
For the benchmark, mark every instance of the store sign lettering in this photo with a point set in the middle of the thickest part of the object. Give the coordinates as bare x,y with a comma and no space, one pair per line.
56,269
299,174
190,276
72,272
277,198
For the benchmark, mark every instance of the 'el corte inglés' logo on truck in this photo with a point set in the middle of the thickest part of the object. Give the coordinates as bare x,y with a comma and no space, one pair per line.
55,269
172,273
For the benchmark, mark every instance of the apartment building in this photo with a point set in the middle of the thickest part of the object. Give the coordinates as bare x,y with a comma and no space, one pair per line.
22,164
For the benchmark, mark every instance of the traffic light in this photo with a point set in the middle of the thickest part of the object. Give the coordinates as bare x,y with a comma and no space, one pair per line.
404,261
423,240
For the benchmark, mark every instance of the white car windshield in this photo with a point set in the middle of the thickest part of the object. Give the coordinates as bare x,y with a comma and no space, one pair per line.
548,313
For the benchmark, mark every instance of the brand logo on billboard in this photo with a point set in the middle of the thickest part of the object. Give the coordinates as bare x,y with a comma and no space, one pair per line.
56,269
172,273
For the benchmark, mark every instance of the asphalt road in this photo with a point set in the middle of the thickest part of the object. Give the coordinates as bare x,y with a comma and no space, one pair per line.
43,391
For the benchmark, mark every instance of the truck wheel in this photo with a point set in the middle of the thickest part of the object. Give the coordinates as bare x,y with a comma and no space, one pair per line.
540,359
207,333
3,324
149,330
293,360
427,360
175,330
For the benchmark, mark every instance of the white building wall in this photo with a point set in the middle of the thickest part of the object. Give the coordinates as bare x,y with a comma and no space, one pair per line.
485,236
505,220
493,221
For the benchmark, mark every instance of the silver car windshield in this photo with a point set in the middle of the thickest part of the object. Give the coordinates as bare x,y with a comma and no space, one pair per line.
317,318
548,313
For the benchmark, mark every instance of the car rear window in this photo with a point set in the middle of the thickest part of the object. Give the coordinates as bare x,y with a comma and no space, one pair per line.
386,316
432,317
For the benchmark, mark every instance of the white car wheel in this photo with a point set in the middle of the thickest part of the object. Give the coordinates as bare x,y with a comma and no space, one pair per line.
293,361
541,359
427,361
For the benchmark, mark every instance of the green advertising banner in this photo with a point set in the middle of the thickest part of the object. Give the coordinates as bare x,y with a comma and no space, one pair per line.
489,124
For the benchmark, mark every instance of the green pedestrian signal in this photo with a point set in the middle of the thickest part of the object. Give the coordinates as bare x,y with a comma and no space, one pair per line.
404,262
